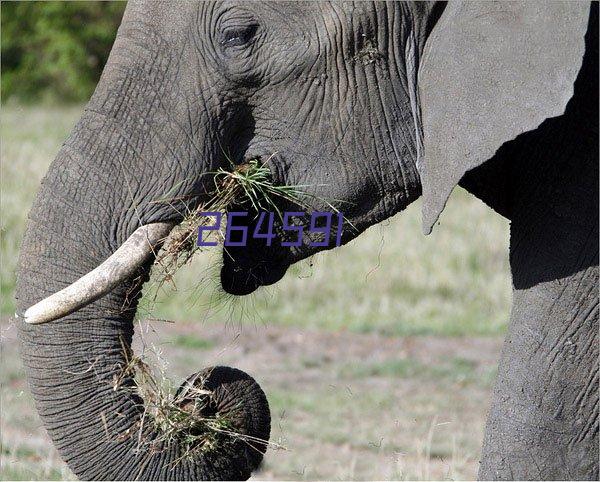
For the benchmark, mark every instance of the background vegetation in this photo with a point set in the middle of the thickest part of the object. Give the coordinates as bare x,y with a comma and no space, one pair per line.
377,358
55,51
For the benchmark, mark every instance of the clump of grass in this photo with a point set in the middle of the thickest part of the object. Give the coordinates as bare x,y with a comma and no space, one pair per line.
253,180
248,183
187,416
175,416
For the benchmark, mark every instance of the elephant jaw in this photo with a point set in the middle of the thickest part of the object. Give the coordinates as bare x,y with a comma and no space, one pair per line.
242,279
247,267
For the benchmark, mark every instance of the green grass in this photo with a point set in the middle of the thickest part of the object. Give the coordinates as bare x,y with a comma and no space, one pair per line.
391,280
18,473
455,370
193,342
380,426
30,138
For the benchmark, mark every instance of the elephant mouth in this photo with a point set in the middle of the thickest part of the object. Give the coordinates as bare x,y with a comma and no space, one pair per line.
249,266
241,276
246,268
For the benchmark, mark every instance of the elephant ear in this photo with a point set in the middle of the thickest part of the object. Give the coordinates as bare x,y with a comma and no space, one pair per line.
490,71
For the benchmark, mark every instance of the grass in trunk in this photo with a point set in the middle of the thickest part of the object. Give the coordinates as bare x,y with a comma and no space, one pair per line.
185,415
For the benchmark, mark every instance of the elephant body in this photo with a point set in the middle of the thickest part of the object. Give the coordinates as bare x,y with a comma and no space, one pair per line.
347,99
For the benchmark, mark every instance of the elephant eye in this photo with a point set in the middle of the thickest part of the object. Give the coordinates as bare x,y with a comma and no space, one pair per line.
238,35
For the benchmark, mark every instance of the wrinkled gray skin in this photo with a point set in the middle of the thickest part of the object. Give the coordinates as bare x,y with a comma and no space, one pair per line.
329,88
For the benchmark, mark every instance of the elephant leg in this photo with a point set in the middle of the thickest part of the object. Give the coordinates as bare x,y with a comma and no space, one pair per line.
543,422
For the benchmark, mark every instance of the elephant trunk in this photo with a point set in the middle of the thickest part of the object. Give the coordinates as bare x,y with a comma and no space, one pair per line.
78,366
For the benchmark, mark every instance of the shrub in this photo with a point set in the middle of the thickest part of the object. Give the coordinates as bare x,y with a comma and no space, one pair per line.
55,50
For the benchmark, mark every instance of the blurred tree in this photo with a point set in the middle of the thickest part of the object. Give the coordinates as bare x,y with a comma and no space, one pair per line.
55,50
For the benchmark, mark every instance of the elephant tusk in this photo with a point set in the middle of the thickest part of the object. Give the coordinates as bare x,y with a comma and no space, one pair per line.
121,265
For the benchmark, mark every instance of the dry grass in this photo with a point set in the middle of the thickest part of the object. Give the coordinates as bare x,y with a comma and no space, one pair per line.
187,415
422,420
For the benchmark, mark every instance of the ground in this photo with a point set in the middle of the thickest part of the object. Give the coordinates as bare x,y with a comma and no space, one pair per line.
377,358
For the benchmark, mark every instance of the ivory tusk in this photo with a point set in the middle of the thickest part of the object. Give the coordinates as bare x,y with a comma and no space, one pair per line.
121,265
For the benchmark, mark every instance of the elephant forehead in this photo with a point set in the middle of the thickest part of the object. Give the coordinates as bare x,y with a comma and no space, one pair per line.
161,16
347,22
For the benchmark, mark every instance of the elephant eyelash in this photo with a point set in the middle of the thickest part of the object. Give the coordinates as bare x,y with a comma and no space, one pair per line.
239,35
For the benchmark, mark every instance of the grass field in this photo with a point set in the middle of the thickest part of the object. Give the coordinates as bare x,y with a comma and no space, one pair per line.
377,358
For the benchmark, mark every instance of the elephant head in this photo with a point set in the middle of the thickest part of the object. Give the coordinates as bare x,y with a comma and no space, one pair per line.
364,104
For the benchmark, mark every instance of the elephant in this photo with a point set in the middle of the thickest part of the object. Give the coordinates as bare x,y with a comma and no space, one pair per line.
370,105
